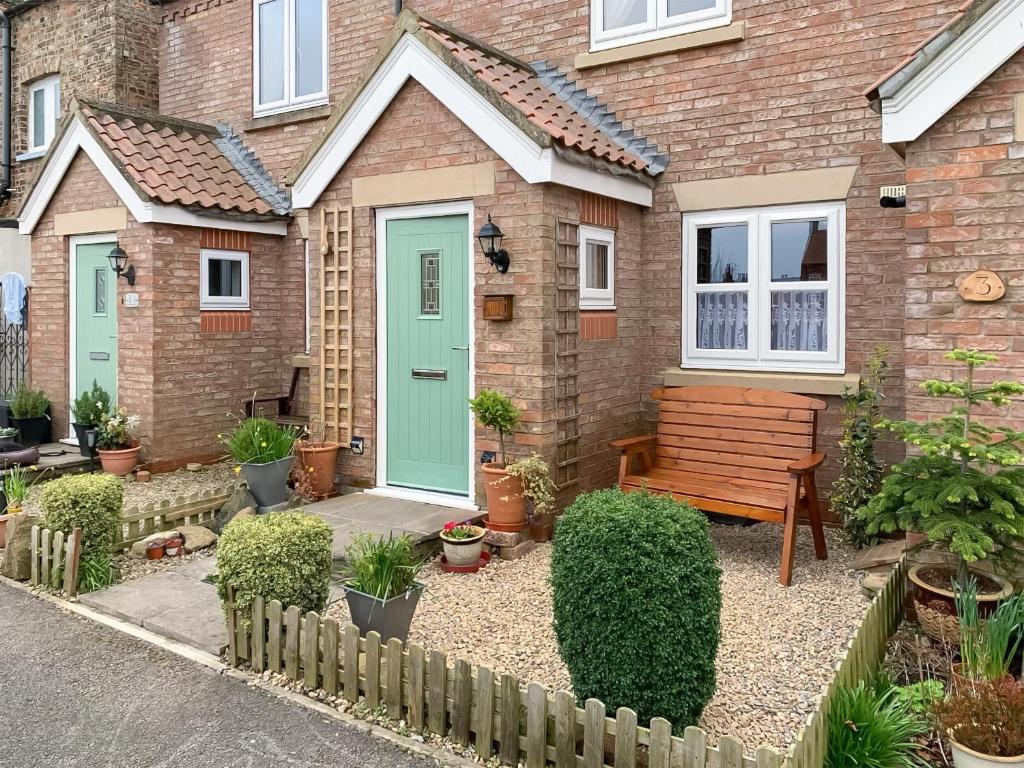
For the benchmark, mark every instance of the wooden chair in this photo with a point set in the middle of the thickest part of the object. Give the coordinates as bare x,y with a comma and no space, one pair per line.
284,415
735,451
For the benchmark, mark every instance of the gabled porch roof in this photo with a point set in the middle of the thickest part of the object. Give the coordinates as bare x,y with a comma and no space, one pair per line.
163,170
533,117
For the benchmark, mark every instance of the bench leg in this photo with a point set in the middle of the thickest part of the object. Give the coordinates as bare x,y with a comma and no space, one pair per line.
789,533
814,513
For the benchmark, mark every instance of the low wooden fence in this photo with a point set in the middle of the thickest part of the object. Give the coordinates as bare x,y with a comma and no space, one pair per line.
864,653
55,559
197,509
494,714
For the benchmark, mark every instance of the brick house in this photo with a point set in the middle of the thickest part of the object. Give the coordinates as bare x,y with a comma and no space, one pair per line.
689,193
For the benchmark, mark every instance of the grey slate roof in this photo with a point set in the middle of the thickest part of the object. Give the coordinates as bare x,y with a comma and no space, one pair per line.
246,163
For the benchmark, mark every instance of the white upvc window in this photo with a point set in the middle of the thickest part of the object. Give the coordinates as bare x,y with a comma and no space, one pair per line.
763,289
43,112
597,268
621,22
223,279
289,55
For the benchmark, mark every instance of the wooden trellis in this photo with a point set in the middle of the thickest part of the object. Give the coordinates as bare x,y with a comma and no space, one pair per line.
336,324
567,347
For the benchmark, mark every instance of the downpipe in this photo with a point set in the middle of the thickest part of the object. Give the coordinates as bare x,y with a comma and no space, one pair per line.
5,109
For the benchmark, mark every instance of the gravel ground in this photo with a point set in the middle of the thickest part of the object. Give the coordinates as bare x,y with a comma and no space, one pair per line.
169,485
131,568
779,646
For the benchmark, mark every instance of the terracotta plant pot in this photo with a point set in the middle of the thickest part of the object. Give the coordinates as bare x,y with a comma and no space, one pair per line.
155,549
540,531
172,547
506,504
463,552
318,462
3,529
991,588
120,462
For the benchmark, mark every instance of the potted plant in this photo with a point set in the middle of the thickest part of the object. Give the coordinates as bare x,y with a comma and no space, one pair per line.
963,490
506,504
317,460
14,488
380,585
263,450
30,414
985,723
115,441
87,410
462,543
8,439
539,490
987,647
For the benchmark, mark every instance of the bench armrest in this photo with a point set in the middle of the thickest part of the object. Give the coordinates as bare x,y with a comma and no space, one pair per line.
283,404
634,444
807,465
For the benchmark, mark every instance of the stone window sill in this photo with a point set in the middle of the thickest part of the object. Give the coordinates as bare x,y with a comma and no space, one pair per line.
35,154
287,118
630,52
798,383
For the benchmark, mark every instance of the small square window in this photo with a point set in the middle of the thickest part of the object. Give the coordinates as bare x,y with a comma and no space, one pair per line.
43,112
597,268
224,279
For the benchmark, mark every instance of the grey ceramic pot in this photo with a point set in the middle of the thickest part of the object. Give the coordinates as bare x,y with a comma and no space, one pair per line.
268,483
390,618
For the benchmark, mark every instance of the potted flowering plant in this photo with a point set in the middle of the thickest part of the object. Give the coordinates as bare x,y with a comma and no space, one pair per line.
506,505
539,490
115,441
87,410
462,543
263,450
985,723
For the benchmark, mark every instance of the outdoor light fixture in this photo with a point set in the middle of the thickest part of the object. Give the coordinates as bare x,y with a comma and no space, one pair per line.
357,444
490,241
119,263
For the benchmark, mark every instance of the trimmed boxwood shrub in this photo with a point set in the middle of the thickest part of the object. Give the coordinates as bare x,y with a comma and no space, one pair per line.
282,556
90,502
637,599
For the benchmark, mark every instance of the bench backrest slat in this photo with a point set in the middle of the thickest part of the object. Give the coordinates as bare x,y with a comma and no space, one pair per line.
735,432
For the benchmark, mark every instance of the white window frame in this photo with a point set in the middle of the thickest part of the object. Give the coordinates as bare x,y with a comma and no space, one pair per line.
597,298
50,86
759,355
206,301
290,101
658,25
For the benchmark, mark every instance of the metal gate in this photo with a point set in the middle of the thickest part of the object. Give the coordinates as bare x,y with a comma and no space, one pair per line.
13,352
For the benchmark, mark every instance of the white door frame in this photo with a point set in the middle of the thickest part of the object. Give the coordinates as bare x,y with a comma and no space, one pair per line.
73,243
384,215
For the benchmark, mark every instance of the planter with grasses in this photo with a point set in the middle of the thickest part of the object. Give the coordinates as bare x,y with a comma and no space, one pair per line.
30,414
263,450
380,584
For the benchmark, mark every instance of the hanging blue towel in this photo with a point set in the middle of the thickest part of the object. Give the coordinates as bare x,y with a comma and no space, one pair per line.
13,287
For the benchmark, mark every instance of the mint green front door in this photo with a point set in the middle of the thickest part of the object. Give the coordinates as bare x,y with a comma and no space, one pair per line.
427,327
95,352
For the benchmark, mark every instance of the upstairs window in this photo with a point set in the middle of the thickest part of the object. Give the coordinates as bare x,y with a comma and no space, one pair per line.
43,112
619,22
289,54
763,289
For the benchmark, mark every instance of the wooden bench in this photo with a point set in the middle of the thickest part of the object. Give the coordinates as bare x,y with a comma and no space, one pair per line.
735,451
284,415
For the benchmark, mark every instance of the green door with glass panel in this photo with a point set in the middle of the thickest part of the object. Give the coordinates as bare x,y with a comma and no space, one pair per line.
95,353
427,327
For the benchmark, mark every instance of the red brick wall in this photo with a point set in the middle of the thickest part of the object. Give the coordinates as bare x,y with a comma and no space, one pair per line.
184,383
965,212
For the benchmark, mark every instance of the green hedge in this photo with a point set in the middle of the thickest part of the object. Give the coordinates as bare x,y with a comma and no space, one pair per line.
282,556
90,502
637,600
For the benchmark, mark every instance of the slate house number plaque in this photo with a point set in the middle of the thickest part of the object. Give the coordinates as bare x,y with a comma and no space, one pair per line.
982,285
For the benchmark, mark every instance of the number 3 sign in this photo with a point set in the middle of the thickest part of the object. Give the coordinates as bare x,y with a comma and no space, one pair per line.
982,286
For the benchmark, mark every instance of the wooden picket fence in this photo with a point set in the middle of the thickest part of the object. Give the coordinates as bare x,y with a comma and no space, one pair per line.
55,559
196,509
864,653
496,715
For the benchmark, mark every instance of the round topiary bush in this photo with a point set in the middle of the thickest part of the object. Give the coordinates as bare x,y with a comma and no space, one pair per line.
282,556
90,502
637,598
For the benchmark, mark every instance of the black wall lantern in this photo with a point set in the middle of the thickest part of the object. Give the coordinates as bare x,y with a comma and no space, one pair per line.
490,241
119,263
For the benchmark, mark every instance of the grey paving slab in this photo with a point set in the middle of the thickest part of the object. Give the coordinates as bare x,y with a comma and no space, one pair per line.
199,623
197,569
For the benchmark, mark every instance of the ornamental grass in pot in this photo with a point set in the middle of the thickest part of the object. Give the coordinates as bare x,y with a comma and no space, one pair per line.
506,503
985,723
87,411
16,483
263,450
963,488
116,444
380,584
987,646
463,543
30,413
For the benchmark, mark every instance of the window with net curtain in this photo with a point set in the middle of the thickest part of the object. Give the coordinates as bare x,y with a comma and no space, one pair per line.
763,289
618,22
289,54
